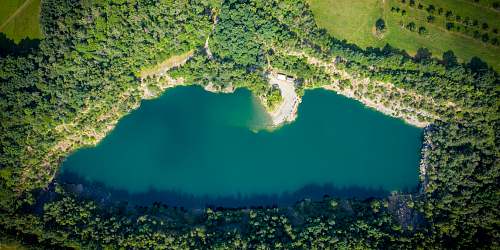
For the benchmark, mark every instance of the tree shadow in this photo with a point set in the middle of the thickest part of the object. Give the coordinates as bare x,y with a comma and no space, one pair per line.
178,198
477,64
449,58
24,46
380,23
423,53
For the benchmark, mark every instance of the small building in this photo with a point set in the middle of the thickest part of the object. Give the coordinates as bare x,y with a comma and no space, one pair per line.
281,77
289,78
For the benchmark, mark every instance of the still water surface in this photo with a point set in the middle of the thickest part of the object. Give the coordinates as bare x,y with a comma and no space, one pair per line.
190,147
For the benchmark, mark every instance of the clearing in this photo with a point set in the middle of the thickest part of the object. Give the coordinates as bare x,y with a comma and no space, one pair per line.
287,110
163,67
354,21
25,24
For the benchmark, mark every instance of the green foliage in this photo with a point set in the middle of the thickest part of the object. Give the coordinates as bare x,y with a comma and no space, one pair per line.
258,85
274,99
422,31
300,91
88,58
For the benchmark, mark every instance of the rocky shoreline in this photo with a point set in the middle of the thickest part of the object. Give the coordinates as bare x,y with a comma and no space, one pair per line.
427,149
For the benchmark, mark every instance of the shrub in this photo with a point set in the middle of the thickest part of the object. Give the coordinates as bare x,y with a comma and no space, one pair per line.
449,16
440,11
485,27
477,35
494,42
381,30
496,5
412,3
395,10
485,38
411,26
431,9
431,19
300,91
450,26
422,31
458,19
404,13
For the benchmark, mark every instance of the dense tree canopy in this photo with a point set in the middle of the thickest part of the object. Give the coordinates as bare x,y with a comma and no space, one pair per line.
86,68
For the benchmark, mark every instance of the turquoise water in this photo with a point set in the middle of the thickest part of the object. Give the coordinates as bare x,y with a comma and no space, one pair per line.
190,143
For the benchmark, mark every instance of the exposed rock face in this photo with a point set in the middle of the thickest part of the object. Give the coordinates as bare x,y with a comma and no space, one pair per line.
427,150
407,216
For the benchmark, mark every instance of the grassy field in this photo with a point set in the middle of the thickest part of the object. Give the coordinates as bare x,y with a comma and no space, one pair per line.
25,25
16,247
354,21
169,63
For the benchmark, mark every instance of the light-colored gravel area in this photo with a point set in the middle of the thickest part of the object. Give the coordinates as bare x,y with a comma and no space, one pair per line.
288,108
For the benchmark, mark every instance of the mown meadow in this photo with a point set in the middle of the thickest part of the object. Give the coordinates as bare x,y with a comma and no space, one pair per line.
24,25
355,23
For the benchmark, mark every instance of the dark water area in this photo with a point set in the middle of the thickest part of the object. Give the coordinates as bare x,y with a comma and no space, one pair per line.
179,199
189,148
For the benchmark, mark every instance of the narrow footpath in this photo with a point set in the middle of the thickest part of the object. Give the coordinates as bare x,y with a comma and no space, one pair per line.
15,14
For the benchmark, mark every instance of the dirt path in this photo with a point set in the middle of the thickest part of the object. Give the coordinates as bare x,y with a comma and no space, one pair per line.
207,49
15,14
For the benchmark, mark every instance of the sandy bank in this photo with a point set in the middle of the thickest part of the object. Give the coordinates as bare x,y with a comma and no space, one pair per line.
288,107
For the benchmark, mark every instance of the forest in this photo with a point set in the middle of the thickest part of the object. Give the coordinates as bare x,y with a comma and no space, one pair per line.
86,66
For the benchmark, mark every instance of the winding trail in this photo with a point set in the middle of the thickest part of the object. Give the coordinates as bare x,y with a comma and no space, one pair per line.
15,14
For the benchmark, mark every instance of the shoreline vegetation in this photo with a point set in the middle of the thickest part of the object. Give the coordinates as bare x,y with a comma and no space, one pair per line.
71,92
286,110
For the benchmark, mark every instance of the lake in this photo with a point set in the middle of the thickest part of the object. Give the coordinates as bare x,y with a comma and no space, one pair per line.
191,147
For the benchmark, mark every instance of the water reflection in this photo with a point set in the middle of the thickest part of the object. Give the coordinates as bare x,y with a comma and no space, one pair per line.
180,199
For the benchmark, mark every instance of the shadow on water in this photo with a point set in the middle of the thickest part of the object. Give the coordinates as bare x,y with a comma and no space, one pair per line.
178,198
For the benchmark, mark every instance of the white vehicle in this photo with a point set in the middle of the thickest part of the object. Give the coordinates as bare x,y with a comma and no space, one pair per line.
289,79
281,77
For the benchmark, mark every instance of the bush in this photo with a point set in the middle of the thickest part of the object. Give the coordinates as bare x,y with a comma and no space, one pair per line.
431,19
449,16
381,30
411,26
485,27
494,42
485,38
431,9
477,35
450,26
422,31
300,92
